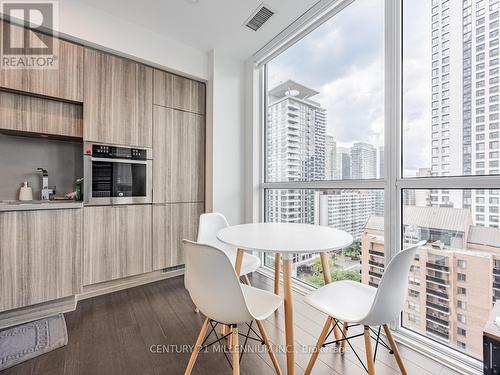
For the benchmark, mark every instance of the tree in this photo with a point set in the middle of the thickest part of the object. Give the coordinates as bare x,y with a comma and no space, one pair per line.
317,268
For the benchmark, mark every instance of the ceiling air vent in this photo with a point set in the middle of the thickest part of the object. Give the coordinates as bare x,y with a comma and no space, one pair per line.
259,17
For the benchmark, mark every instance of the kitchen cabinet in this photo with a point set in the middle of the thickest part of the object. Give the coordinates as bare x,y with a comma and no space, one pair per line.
118,100
172,223
63,81
117,242
178,156
31,114
178,92
40,256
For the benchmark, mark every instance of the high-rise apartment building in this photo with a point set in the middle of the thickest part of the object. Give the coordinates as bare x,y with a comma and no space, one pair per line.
447,298
381,162
343,163
363,161
296,150
348,210
331,158
465,101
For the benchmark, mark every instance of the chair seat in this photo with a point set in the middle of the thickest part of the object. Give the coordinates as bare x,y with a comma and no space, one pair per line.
346,300
251,263
260,303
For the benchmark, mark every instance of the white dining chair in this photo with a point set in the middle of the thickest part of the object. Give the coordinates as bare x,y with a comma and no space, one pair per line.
215,288
356,304
210,224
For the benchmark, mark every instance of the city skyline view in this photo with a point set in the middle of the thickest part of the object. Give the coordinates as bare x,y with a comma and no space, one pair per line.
328,124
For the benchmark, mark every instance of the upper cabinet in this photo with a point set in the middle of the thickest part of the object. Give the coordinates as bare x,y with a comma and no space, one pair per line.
178,92
64,81
118,100
25,113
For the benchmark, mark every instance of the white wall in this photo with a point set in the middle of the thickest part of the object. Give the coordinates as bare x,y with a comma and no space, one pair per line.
103,29
225,122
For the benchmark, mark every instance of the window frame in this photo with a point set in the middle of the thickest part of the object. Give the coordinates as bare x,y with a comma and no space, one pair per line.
393,183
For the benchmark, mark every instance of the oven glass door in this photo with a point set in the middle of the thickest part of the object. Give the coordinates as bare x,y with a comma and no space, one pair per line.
118,179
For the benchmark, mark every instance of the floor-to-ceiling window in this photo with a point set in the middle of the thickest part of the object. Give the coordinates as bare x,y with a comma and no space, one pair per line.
450,75
325,122
384,121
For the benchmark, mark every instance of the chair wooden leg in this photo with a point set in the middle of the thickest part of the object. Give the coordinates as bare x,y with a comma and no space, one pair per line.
327,277
345,328
197,347
336,330
319,344
394,348
277,258
267,343
247,280
368,350
235,350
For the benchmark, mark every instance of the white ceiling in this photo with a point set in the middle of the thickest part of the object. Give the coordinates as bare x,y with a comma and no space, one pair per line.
207,24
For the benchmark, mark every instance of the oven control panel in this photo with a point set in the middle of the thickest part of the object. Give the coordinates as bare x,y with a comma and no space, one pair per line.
115,152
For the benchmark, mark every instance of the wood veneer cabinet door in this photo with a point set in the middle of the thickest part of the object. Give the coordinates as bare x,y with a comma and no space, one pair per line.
38,115
64,81
118,100
178,92
172,223
40,256
117,242
178,156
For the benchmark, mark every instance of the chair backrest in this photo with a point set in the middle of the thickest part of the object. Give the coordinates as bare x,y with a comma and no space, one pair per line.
210,224
393,288
213,285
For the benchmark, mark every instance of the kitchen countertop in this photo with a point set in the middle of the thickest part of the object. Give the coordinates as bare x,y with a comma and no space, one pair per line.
39,205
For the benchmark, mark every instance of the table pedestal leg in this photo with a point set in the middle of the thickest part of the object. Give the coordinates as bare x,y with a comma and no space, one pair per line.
287,286
325,265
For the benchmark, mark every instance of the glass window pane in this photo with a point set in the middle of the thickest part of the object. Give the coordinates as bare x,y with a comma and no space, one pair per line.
358,212
455,278
450,83
325,101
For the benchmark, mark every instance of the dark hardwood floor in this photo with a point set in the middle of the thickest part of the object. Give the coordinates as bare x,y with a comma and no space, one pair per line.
118,333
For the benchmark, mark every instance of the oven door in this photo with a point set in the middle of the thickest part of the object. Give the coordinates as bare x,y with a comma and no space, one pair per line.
117,181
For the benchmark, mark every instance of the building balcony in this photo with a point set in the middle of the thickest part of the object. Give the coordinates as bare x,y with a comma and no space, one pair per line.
376,264
375,285
437,267
437,333
435,319
376,253
436,293
375,274
496,286
496,271
437,280
437,306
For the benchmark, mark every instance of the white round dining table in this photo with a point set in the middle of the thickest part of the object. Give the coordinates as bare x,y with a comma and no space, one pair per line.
286,239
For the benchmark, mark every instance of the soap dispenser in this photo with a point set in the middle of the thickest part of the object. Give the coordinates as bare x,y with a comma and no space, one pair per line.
25,193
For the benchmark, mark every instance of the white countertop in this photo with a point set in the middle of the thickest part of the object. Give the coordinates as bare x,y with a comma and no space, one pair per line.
39,205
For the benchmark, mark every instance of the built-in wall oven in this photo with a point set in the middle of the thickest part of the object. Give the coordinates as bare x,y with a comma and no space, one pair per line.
117,174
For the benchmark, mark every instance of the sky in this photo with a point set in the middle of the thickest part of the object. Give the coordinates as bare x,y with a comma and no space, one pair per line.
343,59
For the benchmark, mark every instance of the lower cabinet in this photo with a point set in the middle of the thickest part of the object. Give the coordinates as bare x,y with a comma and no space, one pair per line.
117,242
40,253
173,222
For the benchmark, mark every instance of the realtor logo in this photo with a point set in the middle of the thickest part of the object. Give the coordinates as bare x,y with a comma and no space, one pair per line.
31,47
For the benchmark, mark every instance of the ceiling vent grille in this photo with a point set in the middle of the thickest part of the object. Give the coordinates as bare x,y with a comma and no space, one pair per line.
259,17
